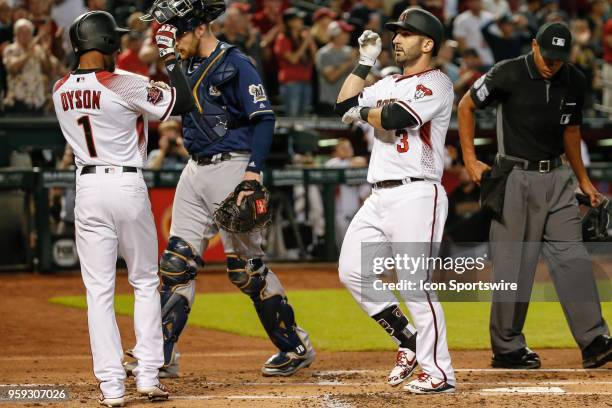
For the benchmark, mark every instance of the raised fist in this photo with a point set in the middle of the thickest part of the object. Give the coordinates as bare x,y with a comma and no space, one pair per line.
370,46
166,40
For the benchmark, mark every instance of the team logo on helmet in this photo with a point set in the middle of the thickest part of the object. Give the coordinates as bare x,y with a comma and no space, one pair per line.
422,91
154,95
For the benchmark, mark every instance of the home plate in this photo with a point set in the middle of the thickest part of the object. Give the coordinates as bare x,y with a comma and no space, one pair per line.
523,390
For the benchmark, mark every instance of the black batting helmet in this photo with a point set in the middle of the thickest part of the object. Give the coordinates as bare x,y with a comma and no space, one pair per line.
422,22
96,30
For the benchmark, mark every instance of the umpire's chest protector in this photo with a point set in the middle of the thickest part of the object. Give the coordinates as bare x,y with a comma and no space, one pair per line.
208,123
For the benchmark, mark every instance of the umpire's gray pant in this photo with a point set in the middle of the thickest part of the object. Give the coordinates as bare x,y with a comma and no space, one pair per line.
541,214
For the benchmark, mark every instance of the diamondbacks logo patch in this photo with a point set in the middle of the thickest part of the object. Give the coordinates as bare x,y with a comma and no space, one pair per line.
154,95
422,91
257,92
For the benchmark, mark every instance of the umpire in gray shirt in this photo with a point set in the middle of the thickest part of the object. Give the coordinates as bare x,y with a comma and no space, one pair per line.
539,99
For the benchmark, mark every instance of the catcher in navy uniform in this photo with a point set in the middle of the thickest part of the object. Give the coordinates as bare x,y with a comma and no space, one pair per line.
228,137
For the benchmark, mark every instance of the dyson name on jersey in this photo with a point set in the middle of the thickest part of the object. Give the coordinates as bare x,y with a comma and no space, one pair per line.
80,99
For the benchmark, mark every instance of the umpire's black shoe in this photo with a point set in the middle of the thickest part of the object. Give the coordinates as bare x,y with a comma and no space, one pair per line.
598,353
521,358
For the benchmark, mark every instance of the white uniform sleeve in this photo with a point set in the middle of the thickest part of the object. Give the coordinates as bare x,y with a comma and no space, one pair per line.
153,99
367,97
428,99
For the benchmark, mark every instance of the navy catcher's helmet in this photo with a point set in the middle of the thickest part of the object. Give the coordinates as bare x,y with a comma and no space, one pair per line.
185,15
420,21
96,30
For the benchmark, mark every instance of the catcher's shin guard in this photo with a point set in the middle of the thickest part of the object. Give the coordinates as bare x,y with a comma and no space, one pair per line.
253,278
178,269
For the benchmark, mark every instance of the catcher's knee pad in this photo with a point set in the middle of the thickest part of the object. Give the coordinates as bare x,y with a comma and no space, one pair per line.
250,279
178,265
176,302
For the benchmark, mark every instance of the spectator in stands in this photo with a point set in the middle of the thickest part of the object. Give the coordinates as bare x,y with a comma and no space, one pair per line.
530,10
334,62
28,62
349,198
134,22
366,15
6,37
64,12
320,22
6,22
96,5
171,154
550,12
129,58
239,30
506,36
269,21
607,67
295,50
445,60
596,20
498,8
583,56
471,69
466,30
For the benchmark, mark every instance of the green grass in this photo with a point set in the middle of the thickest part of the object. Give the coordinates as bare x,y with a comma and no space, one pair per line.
335,322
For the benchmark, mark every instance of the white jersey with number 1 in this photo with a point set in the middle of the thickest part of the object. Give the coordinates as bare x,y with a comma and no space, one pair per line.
417,151
104,115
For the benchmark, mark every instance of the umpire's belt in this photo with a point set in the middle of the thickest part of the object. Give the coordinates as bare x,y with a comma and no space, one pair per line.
395,183
107,169
216,158
543,166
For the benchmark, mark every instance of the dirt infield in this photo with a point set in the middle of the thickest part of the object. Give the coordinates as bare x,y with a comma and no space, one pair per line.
43,343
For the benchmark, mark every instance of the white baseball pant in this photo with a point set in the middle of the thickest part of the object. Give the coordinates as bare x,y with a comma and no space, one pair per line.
413,212
113,212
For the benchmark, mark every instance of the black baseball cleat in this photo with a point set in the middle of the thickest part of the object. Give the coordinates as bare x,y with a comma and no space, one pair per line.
284,364
521,358
598,353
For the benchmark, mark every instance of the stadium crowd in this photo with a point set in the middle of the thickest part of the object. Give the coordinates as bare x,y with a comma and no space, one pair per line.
304,49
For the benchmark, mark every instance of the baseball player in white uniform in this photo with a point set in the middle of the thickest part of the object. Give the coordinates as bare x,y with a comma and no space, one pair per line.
103,114
411,113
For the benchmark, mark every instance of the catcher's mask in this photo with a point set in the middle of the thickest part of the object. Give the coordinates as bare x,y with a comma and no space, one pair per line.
595,220
204,11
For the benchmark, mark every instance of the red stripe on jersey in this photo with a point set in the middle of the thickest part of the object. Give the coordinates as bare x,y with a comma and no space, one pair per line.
104,77
60,82
402,77
167,113
425,134
411,111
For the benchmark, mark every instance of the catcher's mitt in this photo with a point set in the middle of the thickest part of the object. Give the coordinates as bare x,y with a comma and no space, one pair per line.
252,214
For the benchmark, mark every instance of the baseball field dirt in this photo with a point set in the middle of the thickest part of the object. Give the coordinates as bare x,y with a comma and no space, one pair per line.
44,343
